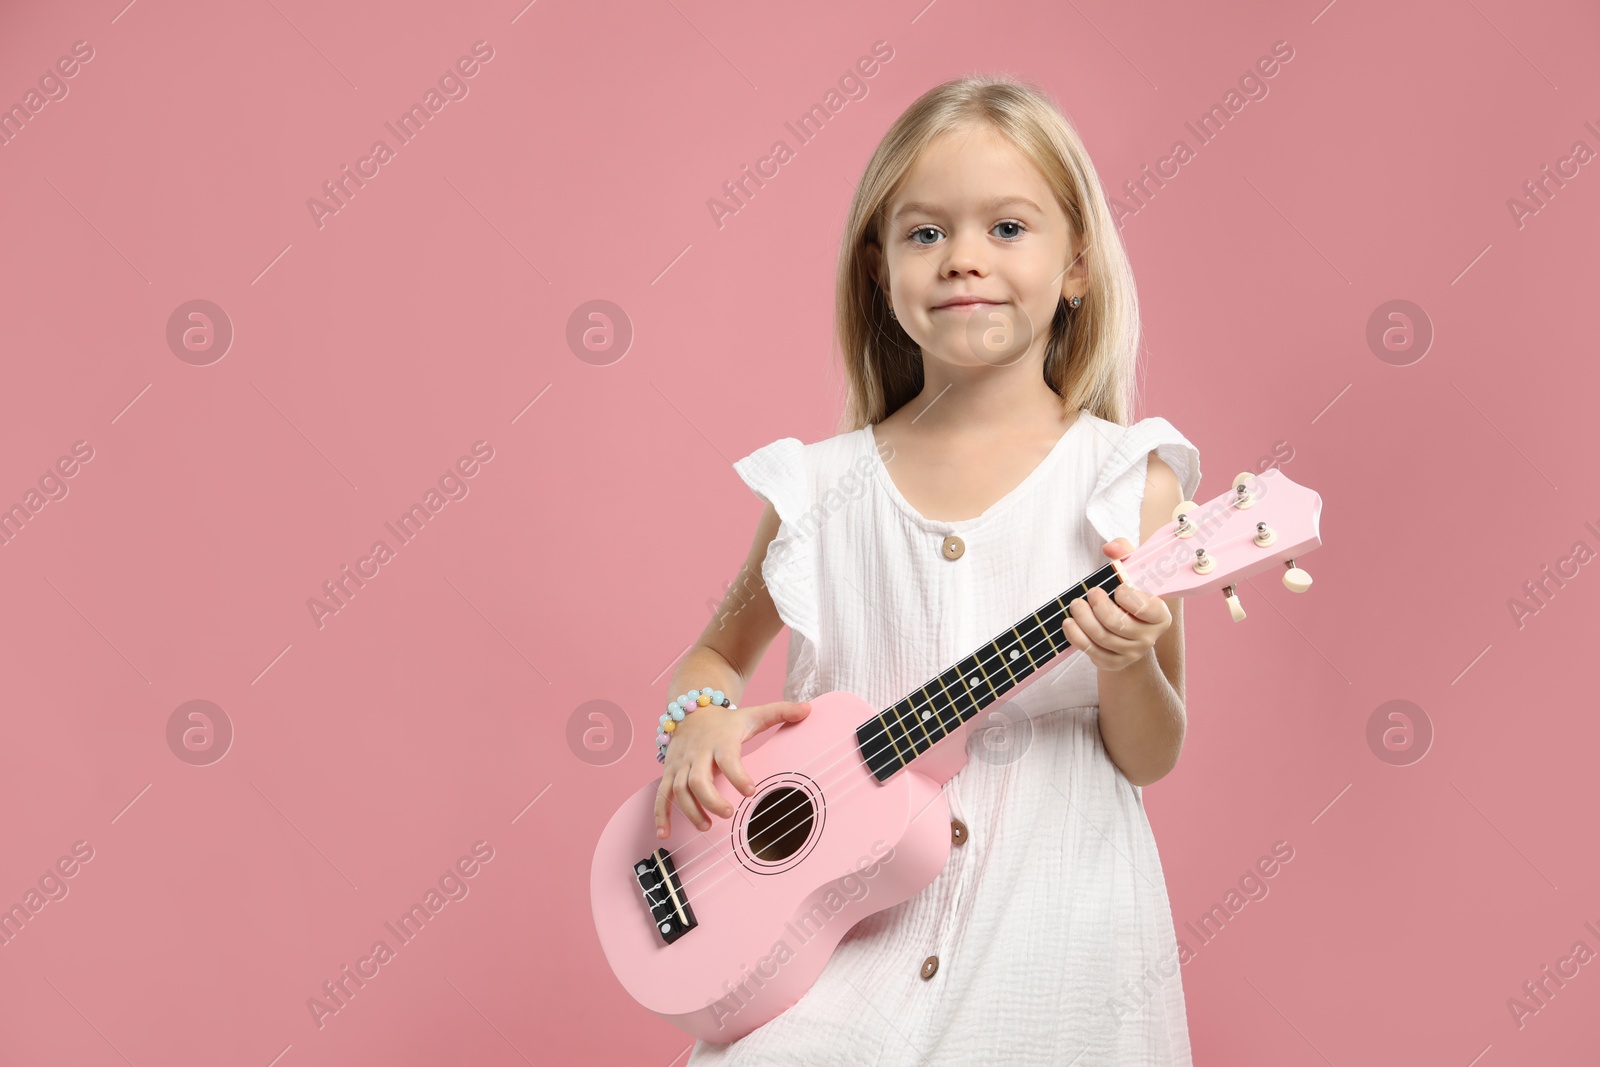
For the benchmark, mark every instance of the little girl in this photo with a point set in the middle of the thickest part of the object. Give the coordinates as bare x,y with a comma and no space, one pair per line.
989,328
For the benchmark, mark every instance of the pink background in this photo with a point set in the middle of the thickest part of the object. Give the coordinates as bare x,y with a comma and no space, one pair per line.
445,703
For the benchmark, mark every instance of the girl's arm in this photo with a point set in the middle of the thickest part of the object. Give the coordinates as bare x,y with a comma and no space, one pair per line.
1142,719
724,657
733,642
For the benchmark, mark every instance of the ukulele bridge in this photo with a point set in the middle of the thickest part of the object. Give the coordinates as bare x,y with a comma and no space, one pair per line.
663,892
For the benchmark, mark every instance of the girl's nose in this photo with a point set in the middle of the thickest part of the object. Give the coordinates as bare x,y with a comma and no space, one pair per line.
965,252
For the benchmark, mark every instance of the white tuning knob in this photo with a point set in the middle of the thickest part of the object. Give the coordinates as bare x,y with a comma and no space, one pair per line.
1185,508
1243,498
1295,580
1234,607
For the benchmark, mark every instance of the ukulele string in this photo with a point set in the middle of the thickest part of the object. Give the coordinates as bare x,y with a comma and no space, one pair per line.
801,802
704,892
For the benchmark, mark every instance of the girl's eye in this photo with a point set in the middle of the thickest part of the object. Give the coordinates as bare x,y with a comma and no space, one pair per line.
912,236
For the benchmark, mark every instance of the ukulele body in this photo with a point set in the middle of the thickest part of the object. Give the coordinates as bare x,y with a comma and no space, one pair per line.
819,846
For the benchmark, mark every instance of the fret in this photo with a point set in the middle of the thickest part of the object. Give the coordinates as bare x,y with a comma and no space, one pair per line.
916,735
901,738
905,735
883,740
931,712
1006,683
1023,642
971,680
978,664
1048,617
1004,662
876,741
900,733
920,720
948,711
889,734
960,684
1046,627
944,695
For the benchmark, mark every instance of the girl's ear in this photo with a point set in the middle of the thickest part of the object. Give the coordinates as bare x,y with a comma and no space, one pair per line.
873,255
1075,280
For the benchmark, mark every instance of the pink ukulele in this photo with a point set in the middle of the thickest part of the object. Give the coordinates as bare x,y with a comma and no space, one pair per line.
721,931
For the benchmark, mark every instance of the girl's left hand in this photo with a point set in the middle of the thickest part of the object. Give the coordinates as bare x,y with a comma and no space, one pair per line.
1116,631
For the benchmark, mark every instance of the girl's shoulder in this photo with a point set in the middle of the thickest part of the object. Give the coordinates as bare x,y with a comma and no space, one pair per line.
1120,458
1114,440
800,464
796,478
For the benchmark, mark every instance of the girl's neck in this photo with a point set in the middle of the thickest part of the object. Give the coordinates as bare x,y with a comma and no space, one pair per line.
984,401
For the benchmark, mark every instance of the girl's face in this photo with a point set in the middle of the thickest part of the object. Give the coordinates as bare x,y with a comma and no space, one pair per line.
974,219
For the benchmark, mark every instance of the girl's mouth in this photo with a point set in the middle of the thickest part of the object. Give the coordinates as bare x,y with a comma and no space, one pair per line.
967,306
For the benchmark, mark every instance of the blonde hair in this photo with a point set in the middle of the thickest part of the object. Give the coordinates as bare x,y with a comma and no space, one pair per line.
1092,351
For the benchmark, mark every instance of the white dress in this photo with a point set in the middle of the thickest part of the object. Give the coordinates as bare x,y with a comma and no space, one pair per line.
1050,923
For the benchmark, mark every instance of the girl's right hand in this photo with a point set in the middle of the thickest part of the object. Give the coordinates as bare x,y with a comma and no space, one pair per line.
708,739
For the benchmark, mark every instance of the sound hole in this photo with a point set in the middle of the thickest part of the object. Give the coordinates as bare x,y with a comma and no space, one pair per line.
780,824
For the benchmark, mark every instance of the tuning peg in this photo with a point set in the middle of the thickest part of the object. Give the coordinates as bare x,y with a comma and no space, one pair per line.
1234,607
1180,515
1294,579
1243,500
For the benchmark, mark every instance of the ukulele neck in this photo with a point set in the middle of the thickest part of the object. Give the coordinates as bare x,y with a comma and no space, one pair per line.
894,737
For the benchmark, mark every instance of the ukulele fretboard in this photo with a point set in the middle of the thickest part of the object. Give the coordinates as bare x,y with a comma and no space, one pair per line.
899,734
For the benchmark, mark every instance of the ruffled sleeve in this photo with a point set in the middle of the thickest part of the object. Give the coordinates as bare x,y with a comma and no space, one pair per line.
1114,504
777,474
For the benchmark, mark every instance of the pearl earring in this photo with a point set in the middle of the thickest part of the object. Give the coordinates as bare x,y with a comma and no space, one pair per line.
1075,301
892,315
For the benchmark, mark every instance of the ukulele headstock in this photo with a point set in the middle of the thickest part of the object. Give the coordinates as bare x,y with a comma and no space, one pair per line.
1265,520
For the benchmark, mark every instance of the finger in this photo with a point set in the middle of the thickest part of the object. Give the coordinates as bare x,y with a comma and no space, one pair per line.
733,767
1093,627
705,791
779,711
670,783
1078,638
702,815
663,809
687,803
1118,548
1141,605
1109,614
1080,641
1071,631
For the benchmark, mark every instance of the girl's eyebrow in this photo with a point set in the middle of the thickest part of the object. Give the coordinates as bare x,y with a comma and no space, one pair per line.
992,204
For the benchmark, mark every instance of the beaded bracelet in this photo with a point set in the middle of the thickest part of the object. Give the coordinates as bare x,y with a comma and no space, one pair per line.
694,698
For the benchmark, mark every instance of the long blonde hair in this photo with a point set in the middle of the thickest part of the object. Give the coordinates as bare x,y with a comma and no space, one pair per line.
1092,351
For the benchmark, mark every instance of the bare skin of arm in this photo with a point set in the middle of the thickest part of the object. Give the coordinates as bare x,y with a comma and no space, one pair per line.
1136,642
746,622
726,655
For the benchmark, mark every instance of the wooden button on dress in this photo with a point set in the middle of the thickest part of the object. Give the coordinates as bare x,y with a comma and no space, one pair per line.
930,966
953,546
958,832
